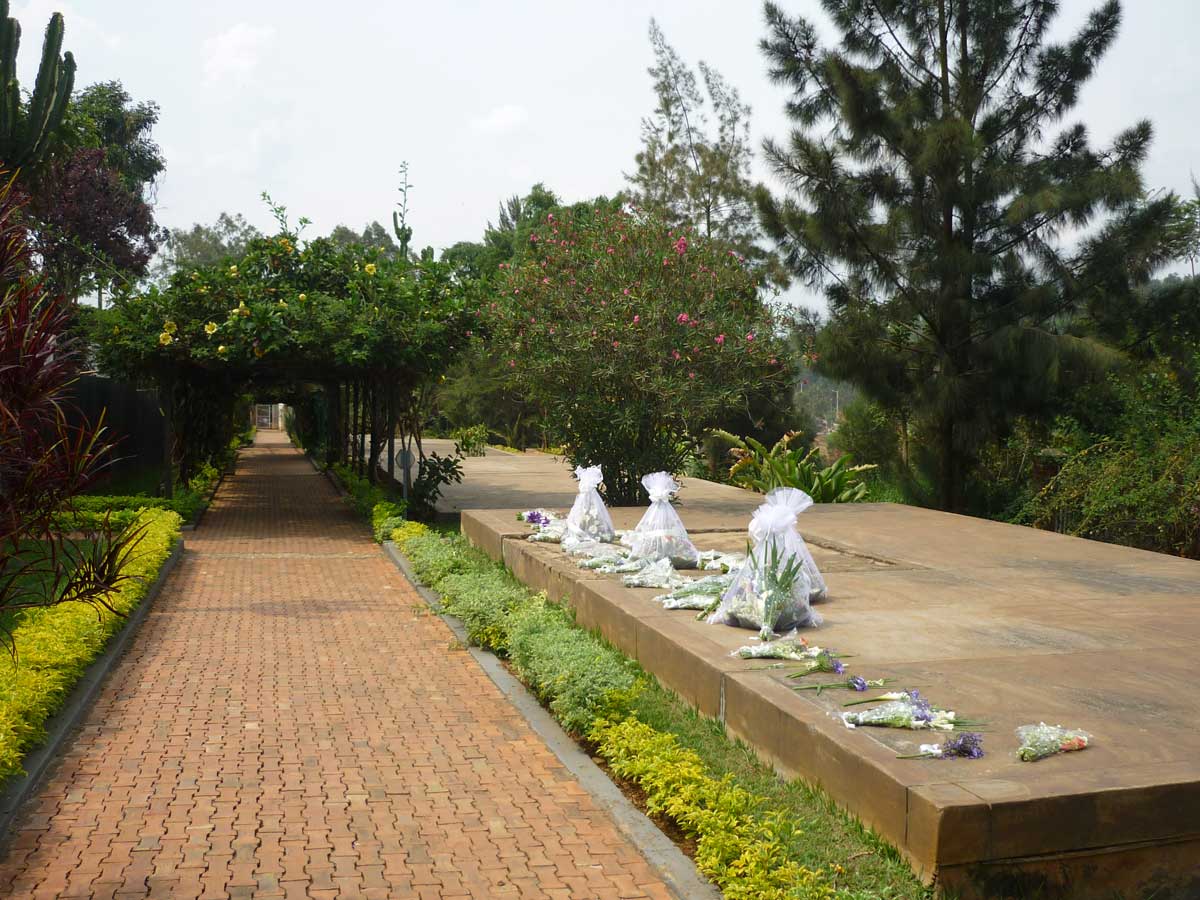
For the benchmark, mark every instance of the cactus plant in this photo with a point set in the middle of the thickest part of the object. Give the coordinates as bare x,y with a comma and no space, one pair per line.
25,133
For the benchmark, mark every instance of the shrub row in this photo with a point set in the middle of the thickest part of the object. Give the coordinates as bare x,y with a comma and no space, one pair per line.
576,674
740,845
371,501
54,645
591,688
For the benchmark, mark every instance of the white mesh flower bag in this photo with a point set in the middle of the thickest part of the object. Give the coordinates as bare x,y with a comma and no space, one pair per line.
588,520
660,533
771,590
798,501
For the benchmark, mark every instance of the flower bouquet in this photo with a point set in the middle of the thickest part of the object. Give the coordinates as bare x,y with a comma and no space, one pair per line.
1042,740
791,646
905,709
660,574
696,594
771,590
968,745
660,533
796,501
853,683
588,520
821,661
548,528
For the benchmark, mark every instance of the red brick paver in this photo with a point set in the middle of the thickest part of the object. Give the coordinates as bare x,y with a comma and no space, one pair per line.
291,721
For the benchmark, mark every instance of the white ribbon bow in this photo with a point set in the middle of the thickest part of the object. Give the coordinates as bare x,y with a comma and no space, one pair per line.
660,486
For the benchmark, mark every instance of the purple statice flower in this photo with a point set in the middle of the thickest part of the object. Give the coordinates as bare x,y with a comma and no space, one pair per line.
857,683
533,517
921,710
838,666
968,745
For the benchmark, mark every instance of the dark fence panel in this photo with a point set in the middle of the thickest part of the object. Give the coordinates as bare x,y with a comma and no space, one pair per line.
131,417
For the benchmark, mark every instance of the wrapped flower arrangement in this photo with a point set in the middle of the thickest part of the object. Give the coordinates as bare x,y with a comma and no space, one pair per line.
797,501
853,683
588,520
905,709
771,591
1042,740
967,745
660,533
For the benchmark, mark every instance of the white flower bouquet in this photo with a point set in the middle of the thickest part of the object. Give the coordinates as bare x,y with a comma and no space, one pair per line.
771,590
660,533
589,519
797,502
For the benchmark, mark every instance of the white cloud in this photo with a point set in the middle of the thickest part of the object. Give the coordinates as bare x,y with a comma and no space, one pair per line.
502,119
236,52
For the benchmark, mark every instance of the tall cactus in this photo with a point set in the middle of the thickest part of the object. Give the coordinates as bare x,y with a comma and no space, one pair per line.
25,133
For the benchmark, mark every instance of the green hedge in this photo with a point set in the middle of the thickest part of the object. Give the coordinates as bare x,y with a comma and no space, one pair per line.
56,644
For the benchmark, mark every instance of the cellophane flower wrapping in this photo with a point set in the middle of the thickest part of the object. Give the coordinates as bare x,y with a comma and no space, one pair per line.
658,574
798,501
550,528
1042,740
588,520
771,591
660,533
696,594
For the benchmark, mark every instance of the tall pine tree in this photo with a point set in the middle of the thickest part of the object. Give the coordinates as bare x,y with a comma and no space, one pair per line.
956,221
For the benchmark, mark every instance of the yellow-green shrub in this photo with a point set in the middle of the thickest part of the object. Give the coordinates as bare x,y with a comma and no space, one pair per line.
408,530
740,847
56,644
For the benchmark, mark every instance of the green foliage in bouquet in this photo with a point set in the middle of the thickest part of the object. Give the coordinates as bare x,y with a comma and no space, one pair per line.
635,338
763,469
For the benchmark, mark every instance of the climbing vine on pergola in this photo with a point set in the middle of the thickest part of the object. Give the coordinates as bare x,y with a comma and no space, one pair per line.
374,332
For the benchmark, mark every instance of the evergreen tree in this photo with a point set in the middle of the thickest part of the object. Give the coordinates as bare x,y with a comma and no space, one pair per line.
935,191
695,171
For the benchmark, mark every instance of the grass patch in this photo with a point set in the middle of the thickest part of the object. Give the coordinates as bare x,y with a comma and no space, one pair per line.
773,825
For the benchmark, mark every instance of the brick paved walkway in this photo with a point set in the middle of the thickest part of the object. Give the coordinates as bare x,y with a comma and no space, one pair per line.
292,722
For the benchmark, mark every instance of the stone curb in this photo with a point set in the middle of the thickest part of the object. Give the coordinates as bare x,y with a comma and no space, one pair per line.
59,727
660,851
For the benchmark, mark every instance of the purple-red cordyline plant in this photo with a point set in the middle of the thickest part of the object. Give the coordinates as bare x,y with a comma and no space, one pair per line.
48,453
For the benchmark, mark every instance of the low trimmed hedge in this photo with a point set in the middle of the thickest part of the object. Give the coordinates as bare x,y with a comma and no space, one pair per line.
591,688
56,644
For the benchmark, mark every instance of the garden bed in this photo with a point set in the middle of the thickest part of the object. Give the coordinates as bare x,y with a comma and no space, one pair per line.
62,654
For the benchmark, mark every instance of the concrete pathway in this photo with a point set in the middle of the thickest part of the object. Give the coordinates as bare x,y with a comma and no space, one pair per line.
291,721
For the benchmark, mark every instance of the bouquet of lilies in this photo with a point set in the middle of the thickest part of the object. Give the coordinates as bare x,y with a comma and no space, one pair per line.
1042,740
904,709
696,594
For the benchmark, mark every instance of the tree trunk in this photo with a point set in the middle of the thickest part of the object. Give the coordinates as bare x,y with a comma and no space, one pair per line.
950,469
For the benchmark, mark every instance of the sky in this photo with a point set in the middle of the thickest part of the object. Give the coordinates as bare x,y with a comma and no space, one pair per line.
319,103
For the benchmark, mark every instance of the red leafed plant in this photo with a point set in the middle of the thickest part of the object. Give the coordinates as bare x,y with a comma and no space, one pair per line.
48,453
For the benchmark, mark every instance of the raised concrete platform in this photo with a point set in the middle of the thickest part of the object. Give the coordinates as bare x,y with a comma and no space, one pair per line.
1000,623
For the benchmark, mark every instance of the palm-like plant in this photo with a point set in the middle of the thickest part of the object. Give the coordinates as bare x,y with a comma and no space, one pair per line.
763,469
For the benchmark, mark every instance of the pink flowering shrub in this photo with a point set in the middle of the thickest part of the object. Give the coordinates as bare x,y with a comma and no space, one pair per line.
636,339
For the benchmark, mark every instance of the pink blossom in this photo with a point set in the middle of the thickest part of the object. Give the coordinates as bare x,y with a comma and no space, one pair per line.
720,339
691,374
610,250
636,319
616,344
545,281
552,331
512,363
469,333
682,318
750,336
533,238
625,292
681,245
666,261
675,353
549,217
532,320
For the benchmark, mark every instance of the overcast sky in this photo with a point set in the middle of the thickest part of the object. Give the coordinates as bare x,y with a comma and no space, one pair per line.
318,103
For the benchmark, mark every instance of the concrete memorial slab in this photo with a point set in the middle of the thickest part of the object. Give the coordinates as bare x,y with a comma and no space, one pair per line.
1000,623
